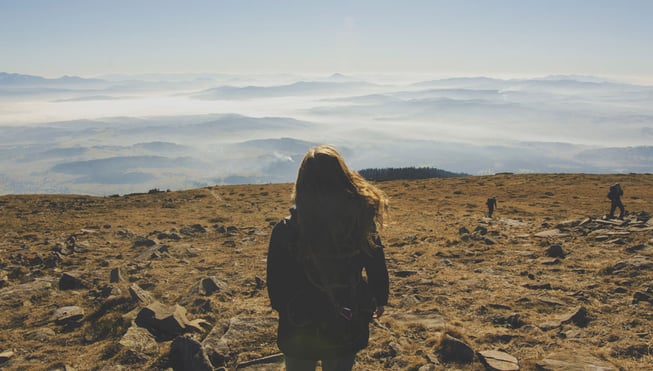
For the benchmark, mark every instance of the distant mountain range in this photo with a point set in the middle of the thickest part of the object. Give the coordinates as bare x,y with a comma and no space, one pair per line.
123,134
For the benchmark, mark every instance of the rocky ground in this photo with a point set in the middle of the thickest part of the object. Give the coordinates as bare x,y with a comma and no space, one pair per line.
177,279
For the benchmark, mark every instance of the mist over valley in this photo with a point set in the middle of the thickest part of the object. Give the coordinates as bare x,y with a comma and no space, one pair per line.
123,134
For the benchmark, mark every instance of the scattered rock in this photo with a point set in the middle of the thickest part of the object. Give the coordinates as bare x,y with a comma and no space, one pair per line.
67,315
499,361
70,281
551,233
140,344
139,295
405,273
6,355
635,248
578,316
19,293
538,286
152,252
143,241
635,265
187,353
489,241
455,350
270,363
573,361
222,342
163,321
260,282
192,230
642,296
555,251
116,275
209,285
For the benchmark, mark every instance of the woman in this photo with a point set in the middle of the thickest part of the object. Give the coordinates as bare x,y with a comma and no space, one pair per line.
315,263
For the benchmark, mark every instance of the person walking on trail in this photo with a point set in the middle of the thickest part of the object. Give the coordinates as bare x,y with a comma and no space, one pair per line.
614,195
491,204
315,261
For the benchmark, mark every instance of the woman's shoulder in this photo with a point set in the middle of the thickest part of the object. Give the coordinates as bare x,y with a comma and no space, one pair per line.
286,227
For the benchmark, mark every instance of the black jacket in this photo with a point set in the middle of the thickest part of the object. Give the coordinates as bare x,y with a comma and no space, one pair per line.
310,327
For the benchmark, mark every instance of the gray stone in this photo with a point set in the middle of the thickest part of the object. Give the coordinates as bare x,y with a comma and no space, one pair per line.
455,350
116,275
236,336
139,295
489,241
272,362
6,355
162,320
555,251
551,233
152,252
642,296
499,361
209,285
16,294
187,353
578,316
69,314
631,266
70,281
61,367
140,343
576,361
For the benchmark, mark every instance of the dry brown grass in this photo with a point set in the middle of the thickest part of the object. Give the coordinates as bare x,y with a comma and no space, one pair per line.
480,289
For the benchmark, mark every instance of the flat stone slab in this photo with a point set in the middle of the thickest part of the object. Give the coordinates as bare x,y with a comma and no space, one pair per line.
551,233
23,291
68,314
573,361
240,332
499,361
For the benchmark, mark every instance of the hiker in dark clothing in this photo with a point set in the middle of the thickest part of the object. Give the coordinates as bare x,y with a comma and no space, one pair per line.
315,262
491,204
614,195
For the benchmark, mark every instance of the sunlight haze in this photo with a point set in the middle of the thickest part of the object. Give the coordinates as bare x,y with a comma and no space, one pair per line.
90,38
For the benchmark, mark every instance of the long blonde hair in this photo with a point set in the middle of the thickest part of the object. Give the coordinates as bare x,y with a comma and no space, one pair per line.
338,211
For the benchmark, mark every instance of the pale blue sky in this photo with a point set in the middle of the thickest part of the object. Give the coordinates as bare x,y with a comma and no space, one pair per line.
458,37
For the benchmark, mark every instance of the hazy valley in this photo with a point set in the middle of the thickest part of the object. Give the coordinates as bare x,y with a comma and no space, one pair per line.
124,134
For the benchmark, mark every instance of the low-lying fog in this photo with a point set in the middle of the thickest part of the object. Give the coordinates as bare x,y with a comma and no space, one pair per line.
120,135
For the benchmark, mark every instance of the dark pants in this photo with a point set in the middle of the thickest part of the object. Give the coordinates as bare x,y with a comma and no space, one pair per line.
617,204
345,363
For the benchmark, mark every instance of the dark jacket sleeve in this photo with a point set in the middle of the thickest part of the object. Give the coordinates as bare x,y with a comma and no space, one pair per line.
283,273
377,275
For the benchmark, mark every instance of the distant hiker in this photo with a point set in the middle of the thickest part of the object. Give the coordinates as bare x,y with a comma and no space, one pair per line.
491,204
315,262
614,195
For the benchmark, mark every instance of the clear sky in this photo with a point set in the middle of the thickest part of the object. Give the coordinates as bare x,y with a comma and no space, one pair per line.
456,37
